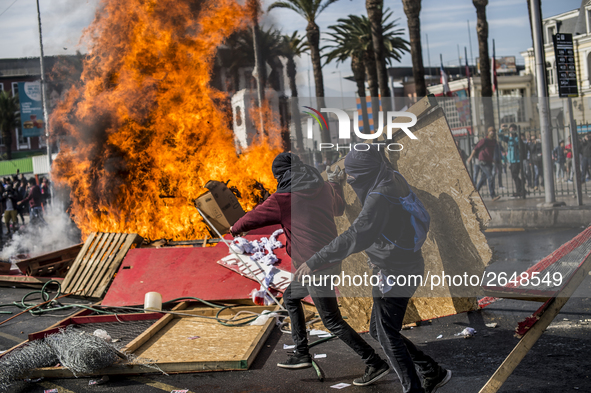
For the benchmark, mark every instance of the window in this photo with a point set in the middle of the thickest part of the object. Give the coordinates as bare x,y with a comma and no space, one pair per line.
23,142
549,73
14,88
588,21
551,31
1,86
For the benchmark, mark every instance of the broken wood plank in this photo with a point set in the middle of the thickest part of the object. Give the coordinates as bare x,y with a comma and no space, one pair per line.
552,309
71,276
30,266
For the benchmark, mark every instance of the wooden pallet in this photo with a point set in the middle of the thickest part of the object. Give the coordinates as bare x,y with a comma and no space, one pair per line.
91,273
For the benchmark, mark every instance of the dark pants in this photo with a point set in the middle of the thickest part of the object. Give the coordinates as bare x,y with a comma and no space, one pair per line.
325,301
406,359
487,176
584,168
515,172
499,172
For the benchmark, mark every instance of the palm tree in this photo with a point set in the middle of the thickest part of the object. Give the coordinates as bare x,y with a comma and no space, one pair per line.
374,12
353,38
294,46
485,79
412,9
309,10
9,119
242,53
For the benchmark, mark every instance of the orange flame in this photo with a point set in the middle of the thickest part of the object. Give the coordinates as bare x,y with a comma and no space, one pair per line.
145,123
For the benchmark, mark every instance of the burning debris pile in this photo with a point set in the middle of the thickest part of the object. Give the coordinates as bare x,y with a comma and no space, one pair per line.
144,122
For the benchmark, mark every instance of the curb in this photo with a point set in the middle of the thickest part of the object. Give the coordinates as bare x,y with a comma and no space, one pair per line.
561,217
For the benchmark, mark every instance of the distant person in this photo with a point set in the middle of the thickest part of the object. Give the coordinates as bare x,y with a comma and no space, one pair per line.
9,203
462,152
559,159
525,161
535,153
45,192
586,160
22,194
498,164
568,148
34,199
513,157
485,150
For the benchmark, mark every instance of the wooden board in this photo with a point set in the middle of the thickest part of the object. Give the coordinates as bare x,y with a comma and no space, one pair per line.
546,315
32,266
167,341
17,280
455,243
97,262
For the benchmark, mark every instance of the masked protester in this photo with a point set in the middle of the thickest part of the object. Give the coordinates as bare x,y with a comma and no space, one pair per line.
305,206
390,228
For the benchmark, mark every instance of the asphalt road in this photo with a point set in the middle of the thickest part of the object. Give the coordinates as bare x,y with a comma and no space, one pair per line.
558,362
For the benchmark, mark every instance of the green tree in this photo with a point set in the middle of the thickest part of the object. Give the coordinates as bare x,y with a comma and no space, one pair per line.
375,14
9,119
309,10
352,38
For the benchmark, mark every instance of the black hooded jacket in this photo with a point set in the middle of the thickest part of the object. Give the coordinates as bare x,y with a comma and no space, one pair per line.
380,222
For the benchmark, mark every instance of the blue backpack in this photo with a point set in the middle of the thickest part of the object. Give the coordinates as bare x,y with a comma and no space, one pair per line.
419,217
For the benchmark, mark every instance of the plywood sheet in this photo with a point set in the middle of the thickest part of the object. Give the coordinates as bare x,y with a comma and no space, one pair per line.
455,244
215,343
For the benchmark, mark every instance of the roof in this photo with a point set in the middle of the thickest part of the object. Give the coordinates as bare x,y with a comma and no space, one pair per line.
27,66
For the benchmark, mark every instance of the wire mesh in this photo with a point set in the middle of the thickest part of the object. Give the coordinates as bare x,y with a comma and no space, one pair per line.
121,333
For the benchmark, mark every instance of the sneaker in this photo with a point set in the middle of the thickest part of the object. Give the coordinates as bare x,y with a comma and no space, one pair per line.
496,198
431,385
372,374
297,361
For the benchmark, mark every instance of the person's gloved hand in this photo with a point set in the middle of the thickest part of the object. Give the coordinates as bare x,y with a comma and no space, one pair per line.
338,176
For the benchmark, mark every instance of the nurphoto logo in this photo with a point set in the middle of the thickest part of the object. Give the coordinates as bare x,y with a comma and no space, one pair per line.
344,124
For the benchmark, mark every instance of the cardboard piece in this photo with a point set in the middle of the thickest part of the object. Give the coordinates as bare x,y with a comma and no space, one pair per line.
220,205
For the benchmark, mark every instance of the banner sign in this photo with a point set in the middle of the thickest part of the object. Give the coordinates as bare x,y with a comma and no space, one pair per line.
29,94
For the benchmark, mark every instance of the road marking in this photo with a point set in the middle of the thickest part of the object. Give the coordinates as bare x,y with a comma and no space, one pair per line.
505,230
154,384
12,338
49,385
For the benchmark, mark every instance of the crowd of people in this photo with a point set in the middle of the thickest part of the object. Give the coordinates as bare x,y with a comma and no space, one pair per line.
22,197
522,159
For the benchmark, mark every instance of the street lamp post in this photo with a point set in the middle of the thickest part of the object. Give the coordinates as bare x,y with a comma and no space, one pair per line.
43,91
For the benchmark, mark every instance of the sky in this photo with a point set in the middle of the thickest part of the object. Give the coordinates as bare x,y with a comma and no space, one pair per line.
444,23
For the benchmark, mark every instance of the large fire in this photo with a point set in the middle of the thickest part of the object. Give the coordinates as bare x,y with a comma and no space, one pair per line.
144,131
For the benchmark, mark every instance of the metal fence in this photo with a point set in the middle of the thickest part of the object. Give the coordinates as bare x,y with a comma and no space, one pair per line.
504,184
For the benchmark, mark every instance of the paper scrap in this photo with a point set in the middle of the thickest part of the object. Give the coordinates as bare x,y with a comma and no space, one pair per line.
92,382
440,336
285,346
316,332
193,337
319,355
51,391
341,385
180,391
325,335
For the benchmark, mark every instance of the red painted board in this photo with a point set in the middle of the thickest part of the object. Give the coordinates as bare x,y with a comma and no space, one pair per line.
174,273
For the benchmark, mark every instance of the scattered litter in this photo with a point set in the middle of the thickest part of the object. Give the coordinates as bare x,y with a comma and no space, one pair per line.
51,391
263,318
101,381
285,346
327,335
102,334
33,380
467,332
116,340
179,391
565,319
317,332
193,337
341,385
261,250
440,336
492,325
319,355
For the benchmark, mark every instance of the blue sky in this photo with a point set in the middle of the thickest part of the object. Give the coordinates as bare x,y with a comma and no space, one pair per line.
444,21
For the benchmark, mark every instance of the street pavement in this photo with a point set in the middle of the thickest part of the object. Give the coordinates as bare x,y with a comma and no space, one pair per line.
558,362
